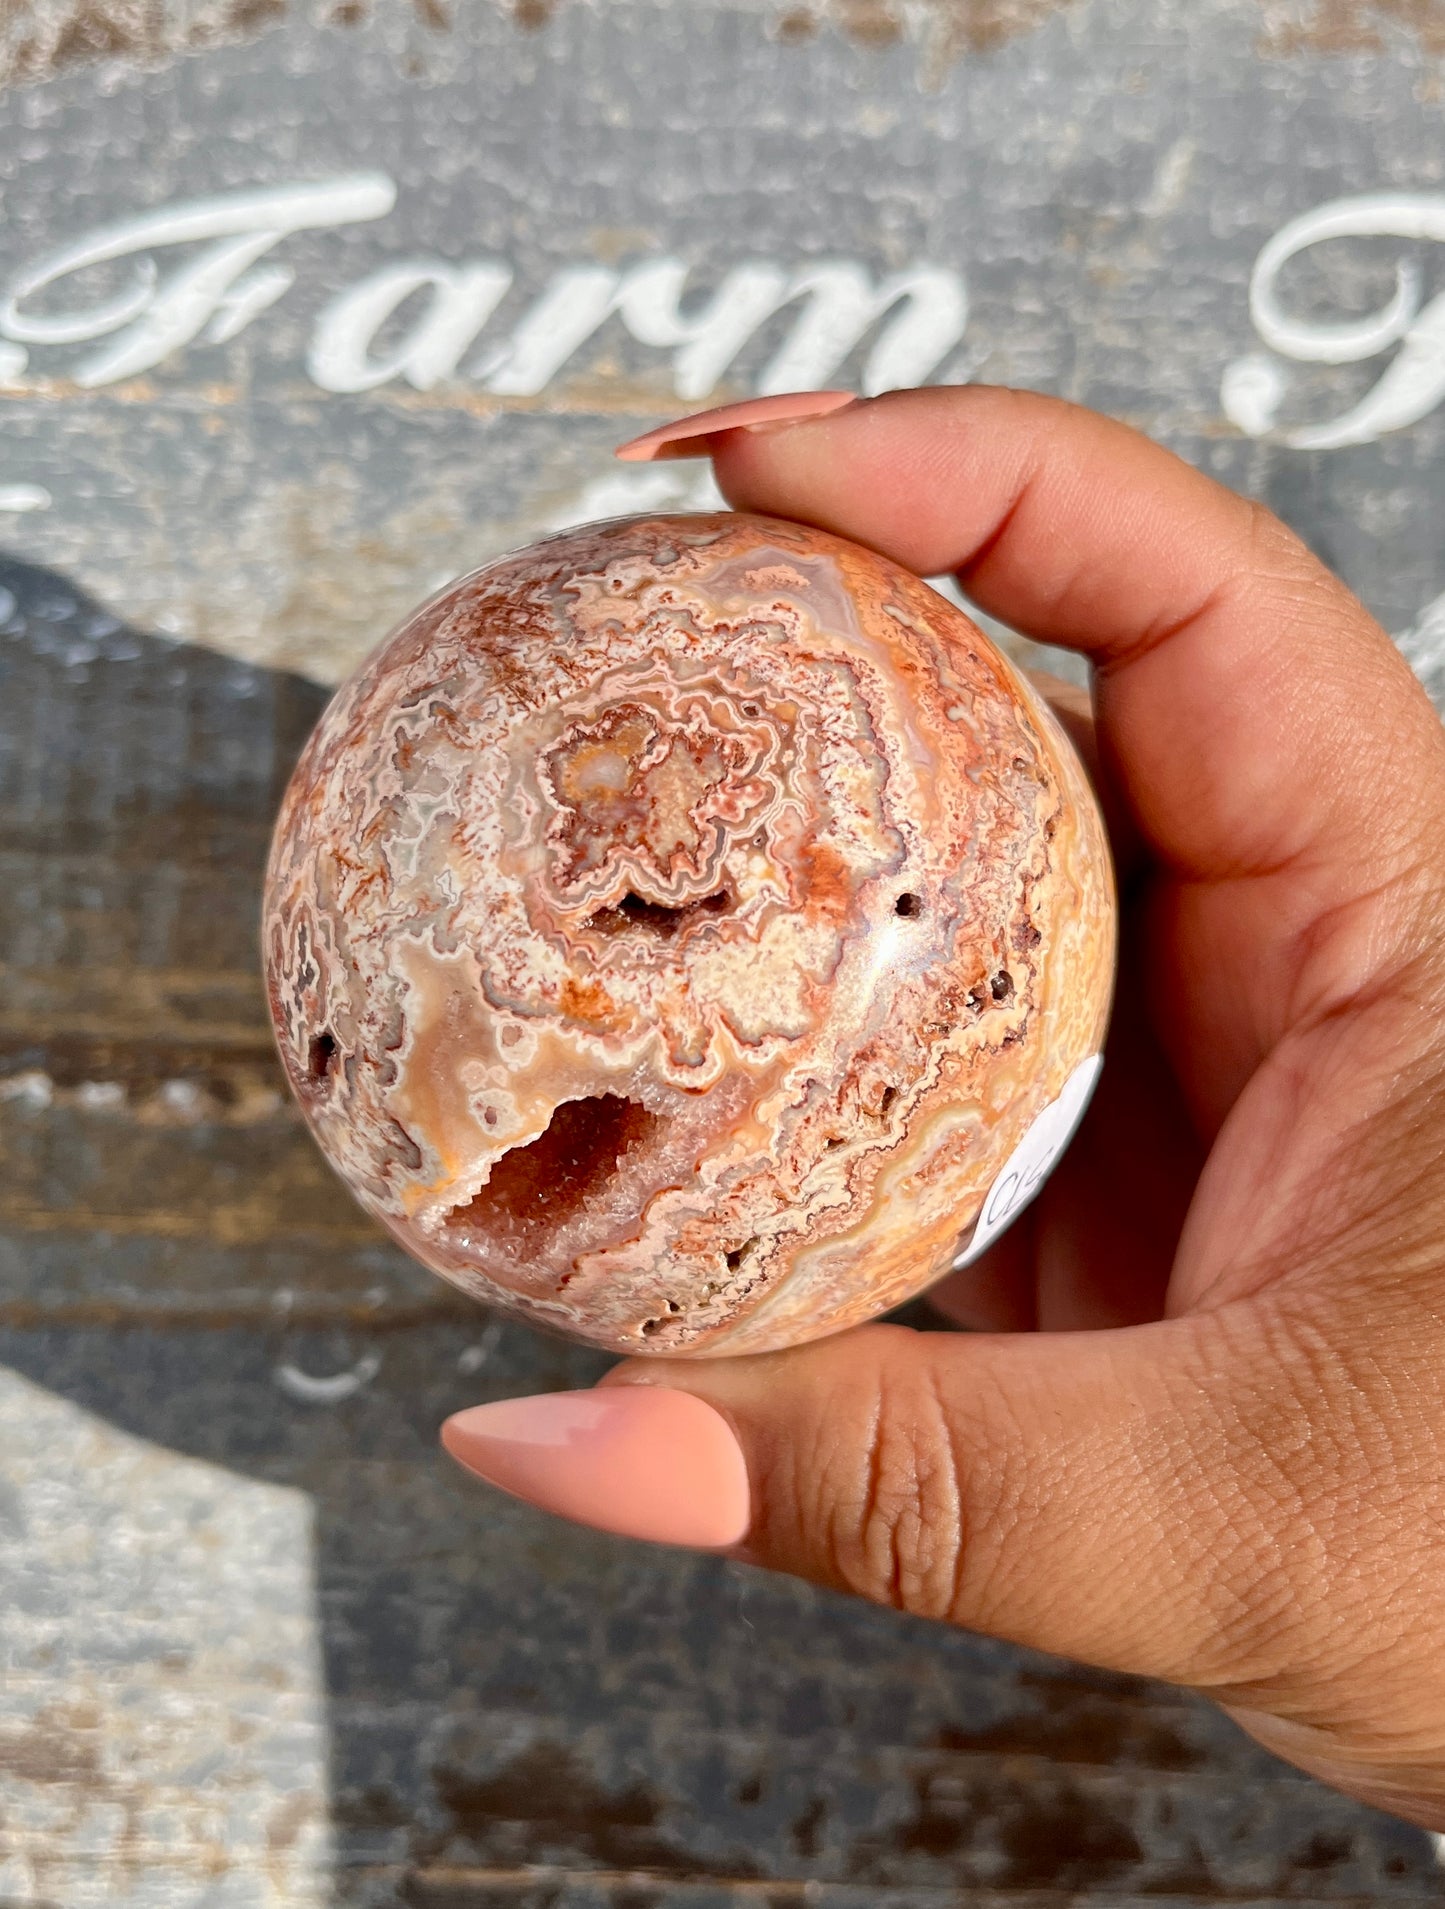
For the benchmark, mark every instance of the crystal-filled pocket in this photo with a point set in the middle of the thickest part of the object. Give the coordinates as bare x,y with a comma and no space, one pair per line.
673,928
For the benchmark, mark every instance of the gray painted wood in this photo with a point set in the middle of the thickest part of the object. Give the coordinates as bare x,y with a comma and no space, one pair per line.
262,1646
1096,189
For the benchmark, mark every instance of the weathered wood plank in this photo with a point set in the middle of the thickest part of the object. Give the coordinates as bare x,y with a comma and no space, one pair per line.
455,1888
229,1387
148,1009
262,1648
504,1692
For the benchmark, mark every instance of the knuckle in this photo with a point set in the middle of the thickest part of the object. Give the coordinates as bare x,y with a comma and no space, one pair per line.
1278,570
1266,534
1269,548
890,1516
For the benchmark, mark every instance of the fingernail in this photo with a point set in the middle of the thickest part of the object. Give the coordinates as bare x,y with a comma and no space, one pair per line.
691,437
641,1460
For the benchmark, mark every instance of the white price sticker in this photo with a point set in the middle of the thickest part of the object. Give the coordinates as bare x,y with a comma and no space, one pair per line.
1032,1160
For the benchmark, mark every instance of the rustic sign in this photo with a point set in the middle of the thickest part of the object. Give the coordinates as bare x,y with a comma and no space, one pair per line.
375,301
301,313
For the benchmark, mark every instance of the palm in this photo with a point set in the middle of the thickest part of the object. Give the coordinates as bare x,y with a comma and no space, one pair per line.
1242,1498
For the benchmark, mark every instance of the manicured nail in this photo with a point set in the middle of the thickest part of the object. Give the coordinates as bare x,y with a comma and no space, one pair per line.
638,1459
693,437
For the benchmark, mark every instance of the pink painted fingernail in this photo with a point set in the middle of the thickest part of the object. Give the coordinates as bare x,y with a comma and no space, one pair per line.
642,1460
692,436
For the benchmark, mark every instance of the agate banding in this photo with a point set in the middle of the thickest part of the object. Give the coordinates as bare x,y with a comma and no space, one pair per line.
673,928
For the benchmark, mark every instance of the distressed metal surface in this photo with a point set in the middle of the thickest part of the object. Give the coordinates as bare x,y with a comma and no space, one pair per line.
260,1646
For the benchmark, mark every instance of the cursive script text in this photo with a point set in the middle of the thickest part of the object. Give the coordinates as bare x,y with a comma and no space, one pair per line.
427,320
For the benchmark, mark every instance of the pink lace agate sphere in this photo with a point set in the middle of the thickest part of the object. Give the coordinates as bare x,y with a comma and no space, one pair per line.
689,933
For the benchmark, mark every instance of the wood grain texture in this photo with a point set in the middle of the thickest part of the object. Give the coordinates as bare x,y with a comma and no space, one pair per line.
262,1647
1095,181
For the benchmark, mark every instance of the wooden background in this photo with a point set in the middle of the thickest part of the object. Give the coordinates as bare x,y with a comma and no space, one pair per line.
262,1646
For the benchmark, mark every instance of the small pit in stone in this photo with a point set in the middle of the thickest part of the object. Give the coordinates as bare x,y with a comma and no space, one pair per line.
739,1253
635,911
1001,987
321,1056
909,906
536,1189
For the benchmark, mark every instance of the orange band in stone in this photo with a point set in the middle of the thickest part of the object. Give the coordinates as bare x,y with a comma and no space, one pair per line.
672,929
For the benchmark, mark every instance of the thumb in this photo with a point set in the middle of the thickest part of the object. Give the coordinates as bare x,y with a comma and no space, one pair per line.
1108,1496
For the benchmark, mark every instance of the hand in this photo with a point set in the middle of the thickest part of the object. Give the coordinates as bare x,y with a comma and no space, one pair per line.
1201,1432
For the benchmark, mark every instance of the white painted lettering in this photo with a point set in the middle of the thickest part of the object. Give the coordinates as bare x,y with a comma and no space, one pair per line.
918,315
562,320
843,304
1414,382
706,342
463,298
154,318
914,318
1410,389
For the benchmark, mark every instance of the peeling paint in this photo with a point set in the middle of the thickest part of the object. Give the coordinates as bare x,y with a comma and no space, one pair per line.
1351,26
1103,174
333,1388
946,30
40,38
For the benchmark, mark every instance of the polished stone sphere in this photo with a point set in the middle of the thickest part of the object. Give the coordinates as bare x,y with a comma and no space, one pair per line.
690,934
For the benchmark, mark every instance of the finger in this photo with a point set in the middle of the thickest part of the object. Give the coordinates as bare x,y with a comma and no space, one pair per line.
1104,1495
1107,1235
1231,656
1273,748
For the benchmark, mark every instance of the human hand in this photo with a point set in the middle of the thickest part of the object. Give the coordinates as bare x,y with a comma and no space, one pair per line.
1199,1432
